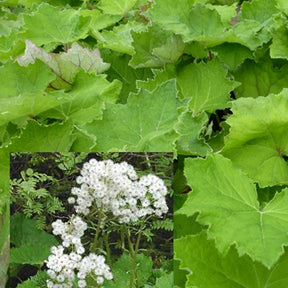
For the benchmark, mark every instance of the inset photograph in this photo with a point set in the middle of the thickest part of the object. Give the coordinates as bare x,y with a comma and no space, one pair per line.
91,220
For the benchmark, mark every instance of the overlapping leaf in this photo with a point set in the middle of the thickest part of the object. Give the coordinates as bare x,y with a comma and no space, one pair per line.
65,65
192,23
86,99
15,80
120,38
32,246
116,7
155,47
227,202
225,272
120,268
50,24
42,138
258,138
29,105
207,86
144,124
189,128
260,79
232,54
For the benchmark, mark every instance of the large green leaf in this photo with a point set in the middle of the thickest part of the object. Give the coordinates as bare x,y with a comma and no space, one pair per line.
76,57
227,201
260,79
65,65
29,104
145,123
191,23
120,70
200,257
156,47
15,79
87,99
51,24
232,54
32,245
258,138
278,48
259,10
207,86
116,7
41,138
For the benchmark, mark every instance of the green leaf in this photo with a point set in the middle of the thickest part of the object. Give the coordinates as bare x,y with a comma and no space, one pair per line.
160,76
76,57
100,21
116,7
87,99
260,79
259,10
121,271
119,39
37,281
120,70
29,105
83,141
15,80
185,225
179,275
164,281
258,139
65,65
225,272
50,24
32,244
192,23
226,12
189,129
40,138
232,54
227,202
207,86
278,48
145,123
156,47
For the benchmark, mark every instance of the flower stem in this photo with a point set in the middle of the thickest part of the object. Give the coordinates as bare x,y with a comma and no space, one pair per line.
95,244
106,242
133,253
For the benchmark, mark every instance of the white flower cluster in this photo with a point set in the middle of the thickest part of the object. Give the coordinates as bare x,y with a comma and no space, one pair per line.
62,265
115,187
112,187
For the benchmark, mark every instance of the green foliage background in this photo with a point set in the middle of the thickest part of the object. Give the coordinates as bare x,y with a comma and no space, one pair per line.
199,78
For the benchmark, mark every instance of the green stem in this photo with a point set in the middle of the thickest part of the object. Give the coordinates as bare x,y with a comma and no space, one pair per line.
133,253
95,244
122,237
106,241
133,266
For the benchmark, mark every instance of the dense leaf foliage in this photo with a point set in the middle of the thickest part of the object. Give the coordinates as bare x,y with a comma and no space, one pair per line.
200,78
